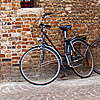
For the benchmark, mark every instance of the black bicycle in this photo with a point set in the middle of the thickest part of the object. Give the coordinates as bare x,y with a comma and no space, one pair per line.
95,48
41,64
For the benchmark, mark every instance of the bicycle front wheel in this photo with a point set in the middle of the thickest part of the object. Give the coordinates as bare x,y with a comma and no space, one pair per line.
40,65
95,48
83,60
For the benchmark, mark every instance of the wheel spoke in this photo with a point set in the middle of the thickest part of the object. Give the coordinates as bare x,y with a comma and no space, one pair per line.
39,68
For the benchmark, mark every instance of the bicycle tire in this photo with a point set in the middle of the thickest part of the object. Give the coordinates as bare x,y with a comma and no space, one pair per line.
84,66
38,69
95,48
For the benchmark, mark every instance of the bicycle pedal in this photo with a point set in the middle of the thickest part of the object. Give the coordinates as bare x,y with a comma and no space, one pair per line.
75,57
63,76
76,63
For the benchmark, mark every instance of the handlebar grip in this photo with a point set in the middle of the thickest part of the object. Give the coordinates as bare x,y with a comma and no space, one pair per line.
48,26
47,14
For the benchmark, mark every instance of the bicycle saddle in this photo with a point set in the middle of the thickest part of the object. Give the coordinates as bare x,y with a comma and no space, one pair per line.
65,28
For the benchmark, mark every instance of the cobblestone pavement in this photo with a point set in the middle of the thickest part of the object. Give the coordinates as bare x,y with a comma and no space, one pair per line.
71,89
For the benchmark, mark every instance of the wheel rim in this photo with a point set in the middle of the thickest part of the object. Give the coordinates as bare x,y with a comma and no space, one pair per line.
36,72
95,48
85,67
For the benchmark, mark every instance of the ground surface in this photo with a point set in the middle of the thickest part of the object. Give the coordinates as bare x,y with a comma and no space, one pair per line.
69,89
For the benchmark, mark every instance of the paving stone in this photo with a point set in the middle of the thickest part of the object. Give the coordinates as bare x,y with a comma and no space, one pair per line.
74,89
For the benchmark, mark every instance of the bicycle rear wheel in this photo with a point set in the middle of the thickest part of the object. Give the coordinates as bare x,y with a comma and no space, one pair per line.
95,48
83,60
39,65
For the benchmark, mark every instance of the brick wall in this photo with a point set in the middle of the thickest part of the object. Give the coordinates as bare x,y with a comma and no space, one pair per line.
18,28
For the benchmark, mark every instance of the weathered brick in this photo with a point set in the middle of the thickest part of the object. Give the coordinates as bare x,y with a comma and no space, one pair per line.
18,23
26,29
16,26
12,30
8,55
9,1
2,55
9,63
6,12
6,27
14,62
0,1
2,8
14,54
19,30
13,4
24,46
5,35
18,46
17,58
4,1
31,42
24,39
7,51
18,19
27,25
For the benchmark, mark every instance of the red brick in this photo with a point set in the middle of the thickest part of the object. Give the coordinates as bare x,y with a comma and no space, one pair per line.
9,63
24,50
18,23
13,4
29,19
23,26
18,46
23,46
2,55
2,8
7,51
14,54
18,58
24,39
4,1
8,55
31,42
35,36
14,8
5,35
18,19
27,25
9,0
26,29
12,30
0,1
19,30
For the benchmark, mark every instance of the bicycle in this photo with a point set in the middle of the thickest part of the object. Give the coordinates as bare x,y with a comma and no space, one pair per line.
95,48
41,64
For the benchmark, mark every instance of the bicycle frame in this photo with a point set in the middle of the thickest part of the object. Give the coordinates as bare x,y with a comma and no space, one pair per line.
45,61
45,43
66,44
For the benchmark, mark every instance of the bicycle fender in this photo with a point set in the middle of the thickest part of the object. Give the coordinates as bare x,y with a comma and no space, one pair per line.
75,39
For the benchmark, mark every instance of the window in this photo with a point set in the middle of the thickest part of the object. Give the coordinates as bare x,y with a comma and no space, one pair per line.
29,3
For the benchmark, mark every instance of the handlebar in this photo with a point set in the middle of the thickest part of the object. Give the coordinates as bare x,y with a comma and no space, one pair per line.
47,14
46,25
43,16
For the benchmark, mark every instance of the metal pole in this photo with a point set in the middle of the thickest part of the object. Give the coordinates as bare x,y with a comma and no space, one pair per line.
23,3
31,3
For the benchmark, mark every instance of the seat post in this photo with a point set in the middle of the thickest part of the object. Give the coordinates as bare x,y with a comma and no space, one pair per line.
65,34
